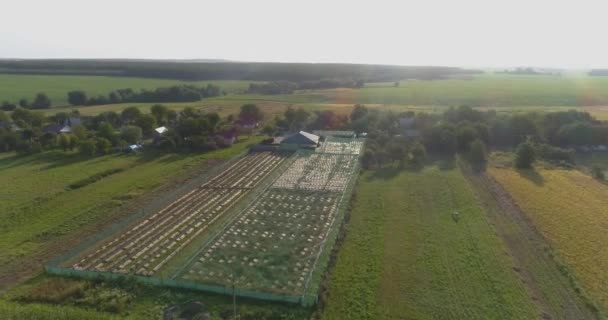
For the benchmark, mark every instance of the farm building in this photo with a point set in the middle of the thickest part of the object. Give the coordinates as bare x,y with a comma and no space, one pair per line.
301,139
335,133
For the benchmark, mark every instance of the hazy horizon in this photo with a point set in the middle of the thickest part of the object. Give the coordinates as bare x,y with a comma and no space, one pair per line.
470,33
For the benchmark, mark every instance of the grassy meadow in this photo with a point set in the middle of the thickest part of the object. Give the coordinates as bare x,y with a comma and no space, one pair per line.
570,209
40,211
407,255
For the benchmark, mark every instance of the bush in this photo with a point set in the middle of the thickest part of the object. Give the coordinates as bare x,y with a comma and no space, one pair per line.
477,152
524,155
87,147
598,173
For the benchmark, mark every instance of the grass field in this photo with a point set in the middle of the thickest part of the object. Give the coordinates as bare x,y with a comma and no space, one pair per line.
570,210
487,90
15,87
407,256
40,211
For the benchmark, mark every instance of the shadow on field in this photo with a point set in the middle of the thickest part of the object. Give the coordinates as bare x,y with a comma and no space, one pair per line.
532,175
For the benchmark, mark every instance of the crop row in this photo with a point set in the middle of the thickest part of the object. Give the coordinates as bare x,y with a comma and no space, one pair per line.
150,244
318,172
273,246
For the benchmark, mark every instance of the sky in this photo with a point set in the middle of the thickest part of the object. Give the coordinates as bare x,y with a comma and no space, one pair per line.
467,33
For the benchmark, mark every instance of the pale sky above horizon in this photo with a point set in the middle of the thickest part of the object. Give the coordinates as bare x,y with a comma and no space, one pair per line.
469,33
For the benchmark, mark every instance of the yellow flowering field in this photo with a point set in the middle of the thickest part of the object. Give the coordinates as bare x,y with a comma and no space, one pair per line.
571,210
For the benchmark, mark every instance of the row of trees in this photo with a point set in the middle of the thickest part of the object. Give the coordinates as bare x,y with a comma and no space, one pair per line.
181,93
287,87
41,101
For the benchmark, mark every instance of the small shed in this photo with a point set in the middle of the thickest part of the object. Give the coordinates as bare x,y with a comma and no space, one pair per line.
160,130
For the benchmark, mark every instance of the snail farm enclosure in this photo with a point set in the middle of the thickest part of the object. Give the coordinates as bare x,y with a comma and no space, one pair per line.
261,226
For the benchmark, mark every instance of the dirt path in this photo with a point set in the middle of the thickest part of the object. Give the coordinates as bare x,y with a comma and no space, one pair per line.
551,291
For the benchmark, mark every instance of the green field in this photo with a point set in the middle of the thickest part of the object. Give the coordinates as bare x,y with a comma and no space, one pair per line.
489,90
406,256
41,213
15,87
486,90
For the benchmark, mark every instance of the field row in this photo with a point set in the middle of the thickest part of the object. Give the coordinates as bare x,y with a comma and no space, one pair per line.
272,246
341,145
150,244
318,172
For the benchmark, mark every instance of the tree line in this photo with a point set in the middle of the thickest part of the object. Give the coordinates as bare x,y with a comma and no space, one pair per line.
288,87
179,93
253,71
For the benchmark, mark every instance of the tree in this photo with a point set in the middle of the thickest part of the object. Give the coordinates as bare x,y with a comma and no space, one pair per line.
359,112
23,103
79,131
417,154
103,145
41,101
130,114
269,130
87,147
64,142
160,113
3,116
146,122
106,131
598,173
77,98
396,84
477,152
250,113
7,106
524,155
131,134
465,134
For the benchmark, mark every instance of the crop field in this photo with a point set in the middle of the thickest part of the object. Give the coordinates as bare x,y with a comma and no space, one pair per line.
407,255
150,244
570,209
14,87
275,244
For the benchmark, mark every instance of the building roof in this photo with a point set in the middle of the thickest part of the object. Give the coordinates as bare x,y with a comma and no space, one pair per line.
301,138
65,129
161,130
52,128
72,121
406,122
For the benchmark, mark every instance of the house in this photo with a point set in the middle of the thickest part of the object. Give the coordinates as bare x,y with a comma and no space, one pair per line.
72,121
53,128
133,148
406,123
247,124
229,136
160,131
301,139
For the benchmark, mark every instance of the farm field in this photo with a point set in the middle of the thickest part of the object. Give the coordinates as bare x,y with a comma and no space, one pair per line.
407,255
40,185
146,247
569,209
275,246
553,293
14,87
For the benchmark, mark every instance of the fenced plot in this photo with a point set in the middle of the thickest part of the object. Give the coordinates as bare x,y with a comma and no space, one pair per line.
273,246
149,245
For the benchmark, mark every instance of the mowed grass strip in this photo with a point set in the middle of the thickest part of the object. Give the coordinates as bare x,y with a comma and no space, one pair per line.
38,209
571,211
406,256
